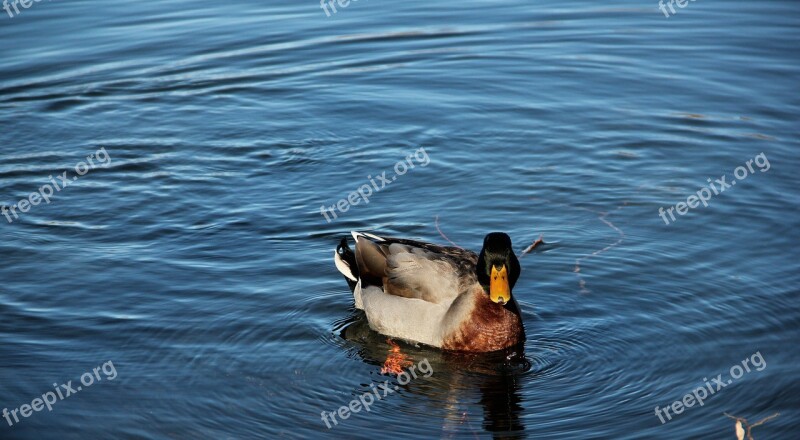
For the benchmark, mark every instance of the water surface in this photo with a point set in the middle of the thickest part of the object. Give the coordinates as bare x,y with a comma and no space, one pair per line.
198,262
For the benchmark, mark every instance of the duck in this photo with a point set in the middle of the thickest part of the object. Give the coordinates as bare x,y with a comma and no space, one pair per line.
441,296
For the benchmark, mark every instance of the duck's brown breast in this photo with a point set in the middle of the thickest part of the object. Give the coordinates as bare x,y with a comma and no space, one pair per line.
489,327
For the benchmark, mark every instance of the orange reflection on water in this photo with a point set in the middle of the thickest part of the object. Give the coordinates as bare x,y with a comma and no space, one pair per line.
396,361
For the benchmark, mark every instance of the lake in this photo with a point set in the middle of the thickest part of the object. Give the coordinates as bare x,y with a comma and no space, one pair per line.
175,177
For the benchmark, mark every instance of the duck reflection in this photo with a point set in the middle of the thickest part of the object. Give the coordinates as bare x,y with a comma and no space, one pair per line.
458,382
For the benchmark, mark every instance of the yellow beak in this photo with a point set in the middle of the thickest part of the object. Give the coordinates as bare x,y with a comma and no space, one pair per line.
499,291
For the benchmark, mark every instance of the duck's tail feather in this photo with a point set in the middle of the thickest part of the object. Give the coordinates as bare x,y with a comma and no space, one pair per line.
345,261
357,234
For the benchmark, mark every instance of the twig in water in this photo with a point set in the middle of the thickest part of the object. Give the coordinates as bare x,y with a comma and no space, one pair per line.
537,242
740,433
444,236
602,218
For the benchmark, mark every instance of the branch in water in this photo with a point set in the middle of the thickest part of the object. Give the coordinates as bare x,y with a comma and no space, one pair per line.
742,421
444,236
537,242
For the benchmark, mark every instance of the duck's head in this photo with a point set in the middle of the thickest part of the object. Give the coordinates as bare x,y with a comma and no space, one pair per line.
498,267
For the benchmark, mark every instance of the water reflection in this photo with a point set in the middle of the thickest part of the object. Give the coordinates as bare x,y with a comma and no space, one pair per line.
459,383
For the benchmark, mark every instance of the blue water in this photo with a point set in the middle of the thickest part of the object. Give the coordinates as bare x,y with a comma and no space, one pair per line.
192,264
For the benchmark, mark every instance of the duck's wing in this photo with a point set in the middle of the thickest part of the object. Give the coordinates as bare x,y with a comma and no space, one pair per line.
414,269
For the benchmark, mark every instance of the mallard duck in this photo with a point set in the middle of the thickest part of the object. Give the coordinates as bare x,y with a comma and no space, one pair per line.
442,296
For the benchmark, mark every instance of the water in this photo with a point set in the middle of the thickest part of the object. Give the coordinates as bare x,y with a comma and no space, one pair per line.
198,263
